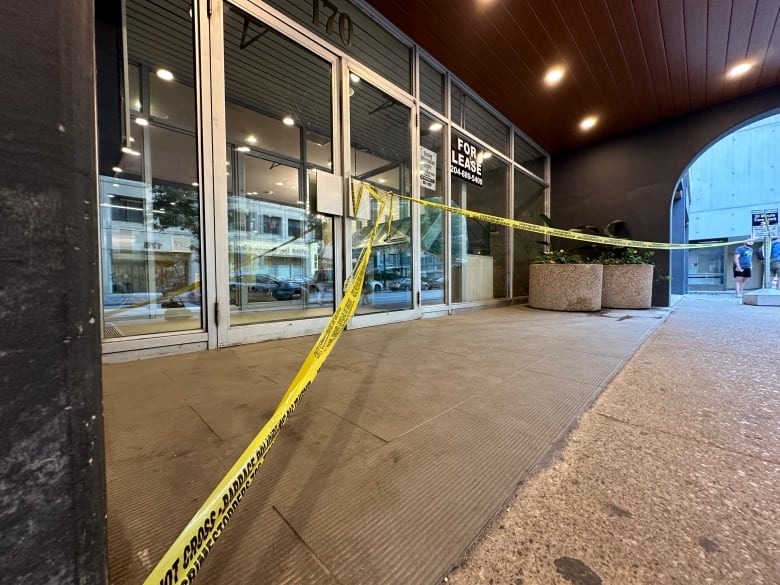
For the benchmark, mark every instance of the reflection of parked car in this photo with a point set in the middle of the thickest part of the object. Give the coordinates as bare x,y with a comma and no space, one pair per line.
436,283
406,284
294,288
374,285
262,283
258,287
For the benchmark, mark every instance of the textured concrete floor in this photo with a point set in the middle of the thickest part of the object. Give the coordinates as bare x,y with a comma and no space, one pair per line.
411,439
415,435
673,476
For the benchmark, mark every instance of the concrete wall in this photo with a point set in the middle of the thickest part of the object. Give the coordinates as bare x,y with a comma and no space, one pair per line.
732,178
633,177
52,500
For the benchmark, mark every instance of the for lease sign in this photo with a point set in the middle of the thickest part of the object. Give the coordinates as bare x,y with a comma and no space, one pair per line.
464,162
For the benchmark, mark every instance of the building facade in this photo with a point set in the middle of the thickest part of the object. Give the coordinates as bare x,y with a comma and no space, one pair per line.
731,181
232,142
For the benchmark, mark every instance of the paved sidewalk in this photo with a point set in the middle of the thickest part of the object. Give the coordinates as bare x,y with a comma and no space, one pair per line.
409,442
673,476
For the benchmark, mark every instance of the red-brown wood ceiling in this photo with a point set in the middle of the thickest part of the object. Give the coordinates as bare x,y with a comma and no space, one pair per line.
630,62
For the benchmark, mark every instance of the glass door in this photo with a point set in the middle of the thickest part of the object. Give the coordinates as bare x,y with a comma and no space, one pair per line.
380,155
276,255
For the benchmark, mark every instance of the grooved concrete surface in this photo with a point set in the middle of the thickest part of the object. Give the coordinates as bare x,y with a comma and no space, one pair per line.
410,441
673,476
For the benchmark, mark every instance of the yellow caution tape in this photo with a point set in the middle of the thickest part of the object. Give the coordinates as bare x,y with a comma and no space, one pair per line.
539,229
181,563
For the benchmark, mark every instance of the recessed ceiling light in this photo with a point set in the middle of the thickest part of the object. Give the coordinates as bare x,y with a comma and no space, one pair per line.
588,123
482,156
243,149
142,121
740,69
251,139
351,91
279,184
165,75
382,180
117,169
288,120
128,150
554,76
354,78
195,184
435,127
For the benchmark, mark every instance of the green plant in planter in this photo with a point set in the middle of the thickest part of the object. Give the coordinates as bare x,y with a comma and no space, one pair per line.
558,257
591,251
617,255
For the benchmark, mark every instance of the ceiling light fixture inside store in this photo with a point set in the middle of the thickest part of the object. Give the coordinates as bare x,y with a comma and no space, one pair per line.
142,121
243,149
128,150
740,69
165,75
288,121
554,76
588,123
117,169
251,139
435,126
354,78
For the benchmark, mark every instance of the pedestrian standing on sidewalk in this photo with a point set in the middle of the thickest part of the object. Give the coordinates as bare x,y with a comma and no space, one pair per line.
774,262
743,262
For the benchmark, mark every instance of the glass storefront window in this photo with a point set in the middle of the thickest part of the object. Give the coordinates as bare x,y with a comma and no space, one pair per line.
149,193
528,206
431,86
529,157
279,126
380,135
432,221
467,113
479,249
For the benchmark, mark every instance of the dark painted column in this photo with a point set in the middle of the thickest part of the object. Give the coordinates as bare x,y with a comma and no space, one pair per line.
52,477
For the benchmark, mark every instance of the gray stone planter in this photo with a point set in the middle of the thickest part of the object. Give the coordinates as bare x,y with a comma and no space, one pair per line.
565,287
627,286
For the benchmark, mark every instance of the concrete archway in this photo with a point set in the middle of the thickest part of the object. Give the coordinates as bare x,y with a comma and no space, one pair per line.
634,177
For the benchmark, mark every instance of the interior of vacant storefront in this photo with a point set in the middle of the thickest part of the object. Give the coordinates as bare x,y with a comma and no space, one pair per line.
213,177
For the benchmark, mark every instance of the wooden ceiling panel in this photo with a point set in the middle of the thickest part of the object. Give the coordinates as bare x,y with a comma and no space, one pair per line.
718,22
696,51
648,19
673,27
764,47
634,62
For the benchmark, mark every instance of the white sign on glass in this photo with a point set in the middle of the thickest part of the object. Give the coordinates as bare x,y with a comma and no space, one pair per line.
427,168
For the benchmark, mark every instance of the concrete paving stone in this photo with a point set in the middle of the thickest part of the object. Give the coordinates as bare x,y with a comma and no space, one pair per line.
636,507
418,500
169,434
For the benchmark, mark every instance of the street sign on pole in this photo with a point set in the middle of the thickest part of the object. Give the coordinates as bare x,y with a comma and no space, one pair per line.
764,223
764,227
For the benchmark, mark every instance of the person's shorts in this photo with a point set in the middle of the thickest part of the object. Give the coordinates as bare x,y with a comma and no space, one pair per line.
774,267
745,272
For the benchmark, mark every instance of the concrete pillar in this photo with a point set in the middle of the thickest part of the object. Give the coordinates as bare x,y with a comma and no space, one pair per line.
52,477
